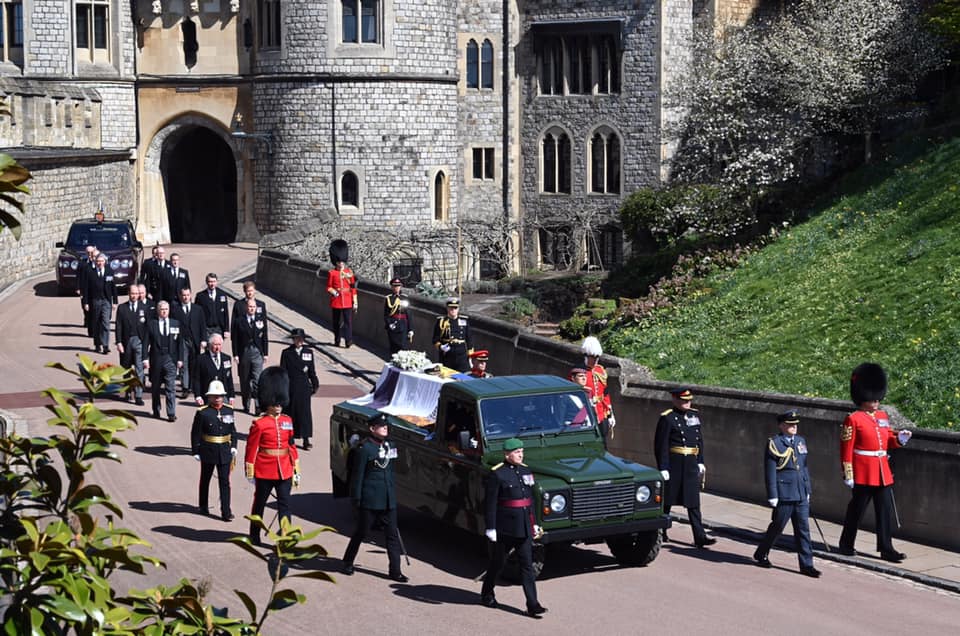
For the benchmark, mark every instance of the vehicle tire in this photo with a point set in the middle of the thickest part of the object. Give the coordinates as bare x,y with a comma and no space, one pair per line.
639,548
340,487
511,569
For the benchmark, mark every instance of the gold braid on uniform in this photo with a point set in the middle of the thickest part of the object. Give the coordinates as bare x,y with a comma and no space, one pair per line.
444,328
846,433
394,307
782,458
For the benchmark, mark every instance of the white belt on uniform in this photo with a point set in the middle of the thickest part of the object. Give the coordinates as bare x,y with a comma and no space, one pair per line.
870,453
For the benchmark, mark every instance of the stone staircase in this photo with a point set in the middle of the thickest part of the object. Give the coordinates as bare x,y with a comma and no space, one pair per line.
548,329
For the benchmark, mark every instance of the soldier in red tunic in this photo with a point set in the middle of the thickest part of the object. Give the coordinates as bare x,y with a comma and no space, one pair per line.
597,387
478,363
342,287
271,462
865,439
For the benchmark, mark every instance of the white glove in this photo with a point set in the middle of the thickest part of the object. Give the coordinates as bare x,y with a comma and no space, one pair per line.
665,474
410,336
296,480
444,348
702,468
537,531
492,535
335,293
199,401
474,443
196,457
393,326
848,483
808,498
612,421
233,452
774,502
904,436
252,480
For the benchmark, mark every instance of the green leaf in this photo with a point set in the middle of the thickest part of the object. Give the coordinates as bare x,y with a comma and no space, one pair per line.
248,603
244,542
285,598
66,608
10,222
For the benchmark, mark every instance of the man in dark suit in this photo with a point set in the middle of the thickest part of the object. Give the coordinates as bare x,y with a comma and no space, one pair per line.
240,307
175,279
212,365
213,439
297,360
100,296
131,331
192,320
86,264
150,306
788,491
250,348
214,303
163,356
509,514
153,272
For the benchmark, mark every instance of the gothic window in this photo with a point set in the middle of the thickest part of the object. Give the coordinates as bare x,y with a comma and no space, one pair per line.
11,31
604,161
92,26
483,168
556,247
440,197
268,23
555,162
578,64
350,189
486,64
360,21
473,64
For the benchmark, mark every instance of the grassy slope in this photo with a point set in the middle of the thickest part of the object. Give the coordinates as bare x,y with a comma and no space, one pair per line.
874,276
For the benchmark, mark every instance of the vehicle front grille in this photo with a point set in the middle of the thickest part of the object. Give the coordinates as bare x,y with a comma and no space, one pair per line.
607,500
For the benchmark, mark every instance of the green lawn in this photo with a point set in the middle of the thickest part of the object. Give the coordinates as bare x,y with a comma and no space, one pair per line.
872,276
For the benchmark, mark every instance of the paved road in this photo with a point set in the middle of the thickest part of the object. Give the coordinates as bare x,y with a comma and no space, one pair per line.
685,590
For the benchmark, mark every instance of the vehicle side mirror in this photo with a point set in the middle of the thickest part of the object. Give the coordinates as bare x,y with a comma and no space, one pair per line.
58,244
464,440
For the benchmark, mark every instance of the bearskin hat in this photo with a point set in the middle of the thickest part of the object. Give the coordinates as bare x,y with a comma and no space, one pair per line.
339,251
868,382
274,388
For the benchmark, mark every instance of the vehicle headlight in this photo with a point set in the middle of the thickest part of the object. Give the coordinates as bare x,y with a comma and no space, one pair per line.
558,503
74,264
127,262
643,494
115,264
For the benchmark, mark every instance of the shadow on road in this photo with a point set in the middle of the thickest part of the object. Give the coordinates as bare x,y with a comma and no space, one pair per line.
172,507
437,594
46,288
162,451
562,561
715,554
63,334
66,348
197,534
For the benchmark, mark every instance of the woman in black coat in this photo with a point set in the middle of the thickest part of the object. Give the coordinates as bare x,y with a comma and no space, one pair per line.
297,360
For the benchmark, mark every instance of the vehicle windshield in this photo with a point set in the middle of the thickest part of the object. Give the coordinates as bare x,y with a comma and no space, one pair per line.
105,237
550,413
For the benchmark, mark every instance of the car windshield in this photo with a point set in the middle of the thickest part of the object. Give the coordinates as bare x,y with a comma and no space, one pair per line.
104,236
550,413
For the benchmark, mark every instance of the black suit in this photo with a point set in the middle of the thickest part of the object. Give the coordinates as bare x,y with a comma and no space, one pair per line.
208,424
250,347
194,331
85,267
303,384
207,371
101,295
240,310
151,275
172,282
164,353
218,320
131,331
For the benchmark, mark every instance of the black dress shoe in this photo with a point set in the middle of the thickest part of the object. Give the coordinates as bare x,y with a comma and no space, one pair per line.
707,541
893,556
172,418
229,517
536,611
139,401
399,577
810,571
845,551
489,601
307,445
347,569
204,511
156,414
762,560
256,541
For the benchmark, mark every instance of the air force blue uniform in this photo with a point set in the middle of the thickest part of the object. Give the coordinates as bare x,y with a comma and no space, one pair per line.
788,481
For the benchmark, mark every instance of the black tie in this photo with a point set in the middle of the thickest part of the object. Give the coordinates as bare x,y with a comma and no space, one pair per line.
163,328
217,361
187,310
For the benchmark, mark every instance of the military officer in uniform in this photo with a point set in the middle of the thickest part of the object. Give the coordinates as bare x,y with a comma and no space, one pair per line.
678,446
478,363
213,439
373,494
865,439
510,524
297,361
213,364
271,462
597,386
342,287
788,491
396,320
451,337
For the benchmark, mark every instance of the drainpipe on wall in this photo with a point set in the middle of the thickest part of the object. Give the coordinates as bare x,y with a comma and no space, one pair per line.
505,100
333,145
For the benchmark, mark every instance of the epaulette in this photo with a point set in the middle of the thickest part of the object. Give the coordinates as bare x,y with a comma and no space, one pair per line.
693,410
667,412
203,407
524,465
497,466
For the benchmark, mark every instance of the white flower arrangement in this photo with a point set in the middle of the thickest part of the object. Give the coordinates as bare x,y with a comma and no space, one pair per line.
411,360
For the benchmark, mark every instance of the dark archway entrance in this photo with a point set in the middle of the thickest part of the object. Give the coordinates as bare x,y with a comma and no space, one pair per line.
200,187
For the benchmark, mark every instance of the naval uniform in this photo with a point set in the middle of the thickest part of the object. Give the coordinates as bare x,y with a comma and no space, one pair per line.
788,481
212,437
508,509
678,446
373,494
454,332
396,320
270,459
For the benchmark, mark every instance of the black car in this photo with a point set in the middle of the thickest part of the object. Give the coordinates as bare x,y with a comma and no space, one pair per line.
115,238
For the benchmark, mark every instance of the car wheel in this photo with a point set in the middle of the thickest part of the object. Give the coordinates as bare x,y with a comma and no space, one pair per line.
639,548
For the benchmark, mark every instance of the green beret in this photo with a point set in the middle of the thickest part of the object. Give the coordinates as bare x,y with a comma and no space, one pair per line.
512,444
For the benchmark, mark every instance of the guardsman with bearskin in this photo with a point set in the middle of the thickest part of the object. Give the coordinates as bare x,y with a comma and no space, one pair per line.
451,337
342,287
597,387
788,492
478,364
271,461
678,446
511,524
865,439
396,320
213,439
